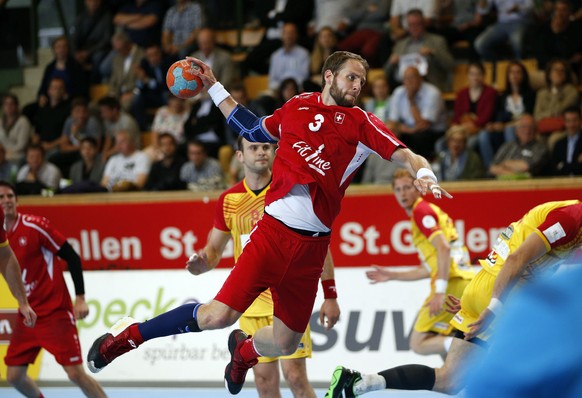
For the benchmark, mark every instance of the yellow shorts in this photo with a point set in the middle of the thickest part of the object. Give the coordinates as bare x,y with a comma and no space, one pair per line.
439,323
251,324
474,300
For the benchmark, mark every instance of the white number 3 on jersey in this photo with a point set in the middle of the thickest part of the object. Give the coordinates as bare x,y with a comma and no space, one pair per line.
316,125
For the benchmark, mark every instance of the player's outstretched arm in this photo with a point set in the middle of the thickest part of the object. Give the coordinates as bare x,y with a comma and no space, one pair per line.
10,269
209,257
383,274
329,312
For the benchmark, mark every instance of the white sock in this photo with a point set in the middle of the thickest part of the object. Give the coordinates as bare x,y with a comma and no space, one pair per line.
447,341
370,382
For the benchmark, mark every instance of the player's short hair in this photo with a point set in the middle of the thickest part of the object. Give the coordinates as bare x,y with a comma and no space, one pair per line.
9,186
336,61
401,173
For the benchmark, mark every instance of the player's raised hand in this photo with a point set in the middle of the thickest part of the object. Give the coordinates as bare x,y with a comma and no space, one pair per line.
205,73
426,184
198,263
379,274
28,314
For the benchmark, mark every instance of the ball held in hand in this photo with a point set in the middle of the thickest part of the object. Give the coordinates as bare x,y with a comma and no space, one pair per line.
182,81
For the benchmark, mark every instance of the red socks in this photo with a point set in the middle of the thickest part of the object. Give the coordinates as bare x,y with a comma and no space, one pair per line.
247,350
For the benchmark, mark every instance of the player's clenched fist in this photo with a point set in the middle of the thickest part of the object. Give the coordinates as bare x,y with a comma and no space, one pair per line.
197,263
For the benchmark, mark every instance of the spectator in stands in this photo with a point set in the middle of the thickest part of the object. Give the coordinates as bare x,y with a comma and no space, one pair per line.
181,26
331,14
517,99
65,67
566,156
141,20
475,104
151,90
286,90
417,113
114,119
378,171
465,24
15,130
289,61
91,37
513,18
206,124
283,11
399,10
559,38
170,119
37,174
458,161
324,46
128,169
165,173
427,51
126,58
219,59
379,103
79,124
558,94
366,20
8,169
523,158
50,117
201,172
86,174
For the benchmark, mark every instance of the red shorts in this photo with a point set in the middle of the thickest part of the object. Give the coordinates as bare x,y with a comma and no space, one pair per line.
285,261
56,333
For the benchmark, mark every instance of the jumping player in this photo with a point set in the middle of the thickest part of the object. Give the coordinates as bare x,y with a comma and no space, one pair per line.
35,244
542,239
322,140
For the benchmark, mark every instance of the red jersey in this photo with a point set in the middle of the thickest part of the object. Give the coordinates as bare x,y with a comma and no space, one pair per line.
3,238
322,146
35,244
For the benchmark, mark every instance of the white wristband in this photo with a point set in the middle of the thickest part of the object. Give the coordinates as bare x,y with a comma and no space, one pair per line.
424,172
495,305
440,286
218,93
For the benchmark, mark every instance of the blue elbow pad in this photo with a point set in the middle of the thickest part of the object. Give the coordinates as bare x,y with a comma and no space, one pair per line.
247,124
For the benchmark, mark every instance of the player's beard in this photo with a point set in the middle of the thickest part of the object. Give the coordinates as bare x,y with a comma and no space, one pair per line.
339,96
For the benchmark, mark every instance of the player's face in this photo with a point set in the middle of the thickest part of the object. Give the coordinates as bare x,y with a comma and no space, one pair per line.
405,192
8,201
347,83
256,156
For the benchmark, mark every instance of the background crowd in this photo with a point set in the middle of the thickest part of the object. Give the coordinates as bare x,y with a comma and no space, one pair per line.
136,136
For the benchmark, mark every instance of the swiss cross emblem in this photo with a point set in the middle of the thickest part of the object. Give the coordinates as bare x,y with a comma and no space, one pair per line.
339,117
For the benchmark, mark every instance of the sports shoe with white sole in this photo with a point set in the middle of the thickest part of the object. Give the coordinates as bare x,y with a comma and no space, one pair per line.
342,381
109,346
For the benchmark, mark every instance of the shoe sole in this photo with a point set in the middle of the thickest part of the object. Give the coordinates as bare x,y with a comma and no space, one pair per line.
232,342
337,384
117,328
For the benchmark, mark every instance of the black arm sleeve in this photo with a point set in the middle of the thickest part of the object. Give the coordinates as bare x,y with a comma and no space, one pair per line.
67,253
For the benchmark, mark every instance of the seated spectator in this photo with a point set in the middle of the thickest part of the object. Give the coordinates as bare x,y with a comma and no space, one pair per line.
201,172
206,124
289,61
523,158
399,10
141,20
378,171
558,94
126,58
427,51
217,58
86,174
180,28
366,26
517,99
324,46
566,156
79,124
457,162
379,103
417,113
37,174
559,38
165,173
465,24
15,130
114,119
50,117
128,169
8,169
170,119
90,37
513,18
151,90
330,14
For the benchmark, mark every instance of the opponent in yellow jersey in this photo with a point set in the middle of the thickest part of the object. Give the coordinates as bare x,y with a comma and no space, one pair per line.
238,211
441,252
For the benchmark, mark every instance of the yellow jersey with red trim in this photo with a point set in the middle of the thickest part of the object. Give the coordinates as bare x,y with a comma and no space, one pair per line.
237,212
558,224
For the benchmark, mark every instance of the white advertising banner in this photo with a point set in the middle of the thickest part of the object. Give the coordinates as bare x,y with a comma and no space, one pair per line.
372,334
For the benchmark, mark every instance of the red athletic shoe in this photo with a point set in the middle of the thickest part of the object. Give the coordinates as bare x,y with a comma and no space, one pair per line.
237,368
116,342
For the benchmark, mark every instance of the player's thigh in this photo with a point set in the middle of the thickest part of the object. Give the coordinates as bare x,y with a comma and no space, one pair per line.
474,300
61,339
24,346
284,337
305,347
